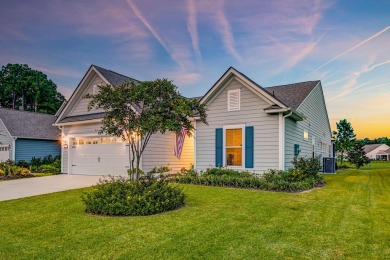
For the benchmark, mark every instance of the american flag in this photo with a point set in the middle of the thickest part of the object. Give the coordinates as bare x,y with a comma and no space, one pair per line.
179,142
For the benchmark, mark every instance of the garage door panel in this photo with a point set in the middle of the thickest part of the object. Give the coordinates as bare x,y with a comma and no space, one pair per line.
99,159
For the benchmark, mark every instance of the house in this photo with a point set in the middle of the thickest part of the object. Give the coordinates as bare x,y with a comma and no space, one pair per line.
24,135
250,128
377,151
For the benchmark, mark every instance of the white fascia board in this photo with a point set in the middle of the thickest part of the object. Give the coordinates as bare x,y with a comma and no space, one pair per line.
79,122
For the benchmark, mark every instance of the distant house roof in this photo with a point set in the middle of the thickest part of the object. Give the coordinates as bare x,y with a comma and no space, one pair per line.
114,78
371,147
25,124
384,152
293,94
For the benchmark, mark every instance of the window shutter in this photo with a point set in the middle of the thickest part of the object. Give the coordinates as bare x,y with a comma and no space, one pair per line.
249,147
218,147
233,100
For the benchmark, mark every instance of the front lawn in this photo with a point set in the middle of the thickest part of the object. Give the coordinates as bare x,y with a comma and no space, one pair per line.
348,218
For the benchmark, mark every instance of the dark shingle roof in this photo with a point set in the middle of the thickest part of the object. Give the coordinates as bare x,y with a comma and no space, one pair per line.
82,117
113,77
29,124
292,94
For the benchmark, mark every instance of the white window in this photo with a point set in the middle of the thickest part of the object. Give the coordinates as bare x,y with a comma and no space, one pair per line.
306,135
234,142
103,140
81,141
95,140
110,140
233,100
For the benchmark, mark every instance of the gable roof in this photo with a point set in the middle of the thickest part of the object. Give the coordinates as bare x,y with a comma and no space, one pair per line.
113,77
24,124
293,94
371,147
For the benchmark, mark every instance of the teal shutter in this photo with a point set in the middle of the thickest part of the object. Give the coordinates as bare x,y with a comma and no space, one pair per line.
249,147
218,147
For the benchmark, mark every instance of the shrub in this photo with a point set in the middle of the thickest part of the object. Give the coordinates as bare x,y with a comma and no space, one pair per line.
23,164
2,173
121,196
50,168
309,167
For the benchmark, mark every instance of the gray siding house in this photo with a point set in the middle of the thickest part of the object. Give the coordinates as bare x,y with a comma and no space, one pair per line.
24,135
250,128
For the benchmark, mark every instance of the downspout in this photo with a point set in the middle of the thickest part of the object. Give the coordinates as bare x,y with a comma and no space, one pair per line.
14,148
282,144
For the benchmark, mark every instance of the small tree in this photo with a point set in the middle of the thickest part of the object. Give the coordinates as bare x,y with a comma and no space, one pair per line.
357,155
136,111
345,138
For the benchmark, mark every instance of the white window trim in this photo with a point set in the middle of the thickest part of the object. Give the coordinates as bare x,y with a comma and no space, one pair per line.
239,99
242,126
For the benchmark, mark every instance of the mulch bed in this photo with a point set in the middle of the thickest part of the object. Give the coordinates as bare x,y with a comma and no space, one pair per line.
17,176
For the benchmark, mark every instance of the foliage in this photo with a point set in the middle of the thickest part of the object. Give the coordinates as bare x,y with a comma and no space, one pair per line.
25,89
23,163
345,138
161,169
49,168
357,155
291,181
121,196
308,167
136,111
380,140
132,172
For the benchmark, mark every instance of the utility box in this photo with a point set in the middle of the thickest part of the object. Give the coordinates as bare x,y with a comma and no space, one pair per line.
329,165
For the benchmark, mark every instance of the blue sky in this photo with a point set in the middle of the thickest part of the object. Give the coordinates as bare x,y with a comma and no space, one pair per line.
345,44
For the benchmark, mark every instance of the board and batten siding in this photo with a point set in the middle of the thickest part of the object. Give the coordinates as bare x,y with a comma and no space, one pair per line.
316,123
81,106
251,113
6,139
26,149
159,152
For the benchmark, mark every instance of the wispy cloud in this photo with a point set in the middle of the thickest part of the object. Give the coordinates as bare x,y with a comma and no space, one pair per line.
226,31
347,91
349,50
192,28
156,35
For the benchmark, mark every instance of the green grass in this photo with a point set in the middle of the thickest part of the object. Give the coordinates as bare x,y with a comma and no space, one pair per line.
349,218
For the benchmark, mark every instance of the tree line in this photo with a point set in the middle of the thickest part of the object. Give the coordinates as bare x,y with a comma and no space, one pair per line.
22,88
380,140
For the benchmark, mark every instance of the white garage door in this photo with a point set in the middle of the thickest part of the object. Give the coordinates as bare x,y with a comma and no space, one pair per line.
4,153
99,156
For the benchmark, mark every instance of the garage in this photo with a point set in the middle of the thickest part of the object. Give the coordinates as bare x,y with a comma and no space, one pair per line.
4,153
97,155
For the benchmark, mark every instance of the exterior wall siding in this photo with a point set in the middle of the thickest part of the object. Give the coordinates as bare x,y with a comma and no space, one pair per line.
316,123
27,148
251,113
159,152
5,138
81,107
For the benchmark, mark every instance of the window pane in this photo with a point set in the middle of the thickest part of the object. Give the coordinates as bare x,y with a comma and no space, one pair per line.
234,137
74,141
110,140
88,141
118,140
103,140
95,140
81,140
234,156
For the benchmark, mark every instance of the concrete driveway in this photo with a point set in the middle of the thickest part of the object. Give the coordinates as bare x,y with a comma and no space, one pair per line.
16,189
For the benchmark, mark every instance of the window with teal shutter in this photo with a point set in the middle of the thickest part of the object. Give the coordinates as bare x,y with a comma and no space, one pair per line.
218,147
249,147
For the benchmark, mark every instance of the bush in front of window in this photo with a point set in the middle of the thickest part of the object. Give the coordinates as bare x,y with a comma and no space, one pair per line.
124,197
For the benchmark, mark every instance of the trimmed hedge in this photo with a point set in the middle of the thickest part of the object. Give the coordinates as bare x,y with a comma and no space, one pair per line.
125,197
293,180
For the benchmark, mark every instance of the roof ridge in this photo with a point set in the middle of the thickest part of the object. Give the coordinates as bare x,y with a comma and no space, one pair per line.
96,66
25,111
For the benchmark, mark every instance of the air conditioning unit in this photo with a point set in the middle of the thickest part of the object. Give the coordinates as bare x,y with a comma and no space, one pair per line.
329,165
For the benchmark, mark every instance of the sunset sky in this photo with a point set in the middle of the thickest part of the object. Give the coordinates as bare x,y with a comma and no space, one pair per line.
345,44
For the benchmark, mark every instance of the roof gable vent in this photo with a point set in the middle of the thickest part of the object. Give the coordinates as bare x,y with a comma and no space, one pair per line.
234,100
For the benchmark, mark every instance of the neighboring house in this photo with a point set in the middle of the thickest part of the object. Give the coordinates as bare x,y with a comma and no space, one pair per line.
26,134
250,128
377,151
